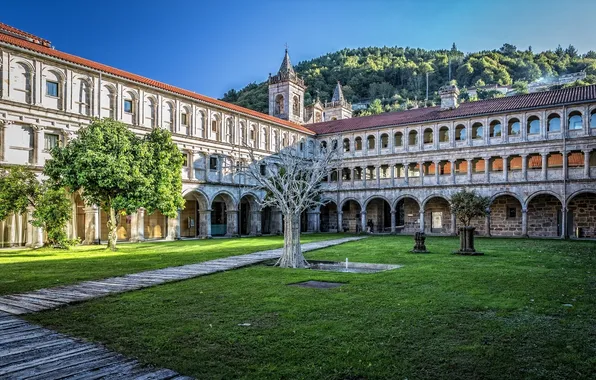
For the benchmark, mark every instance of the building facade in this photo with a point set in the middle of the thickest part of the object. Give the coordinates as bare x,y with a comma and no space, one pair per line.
534,154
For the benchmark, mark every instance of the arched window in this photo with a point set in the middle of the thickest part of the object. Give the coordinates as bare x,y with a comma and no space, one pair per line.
242,133
264,140
20,83
279,105
150,113
477,131
168,117
334,144
185,119
413,138
444,134
108,102
284,140
384,141
370,142
130,107
358,143
311,147
533,125
54,90
275,141
575,121
323,145
428,136
495,128
460,133
215,129
554,122
201,124
84,97
514,127
296,105
318,117
252,135
346,143
398,139
229,130
593,119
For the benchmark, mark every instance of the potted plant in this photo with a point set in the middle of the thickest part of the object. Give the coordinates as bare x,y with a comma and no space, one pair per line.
467,205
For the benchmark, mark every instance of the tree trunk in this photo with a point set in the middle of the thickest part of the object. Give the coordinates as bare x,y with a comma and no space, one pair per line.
112,226
292,256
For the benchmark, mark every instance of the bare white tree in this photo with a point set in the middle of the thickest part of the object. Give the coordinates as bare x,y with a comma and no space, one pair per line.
293,183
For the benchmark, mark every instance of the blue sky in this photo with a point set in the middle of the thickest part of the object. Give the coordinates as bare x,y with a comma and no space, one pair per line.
212,46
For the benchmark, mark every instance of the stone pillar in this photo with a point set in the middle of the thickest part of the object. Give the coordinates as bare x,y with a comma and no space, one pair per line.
421,220
313,222
353,171
406,175
39,239
141,224
363,175
421,172
29,237
563,222
174,228
544,165
393,221
191,165
232,223
3,124
505,168
487,223
487,170
90,225
453,224
340,221
277,222
134,228
586,164
38,143
205,224
255,223
452,163
437,170
565,165
524,222
524,158
392,175
470,162
363,220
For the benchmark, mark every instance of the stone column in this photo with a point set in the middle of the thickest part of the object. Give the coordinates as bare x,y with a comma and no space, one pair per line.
524,158
29,237
544,166
505,168
452,163
174,228
353,175
364,170
564,222
487,223
453,224
437,170
141,224
232,223
340,221
13,231
565,165
90,225
134,228
406,175
378,175
255,223
524,222
421,220
39,240
393,221
363,220
470,162
277,221
487,170
392,175
421,172
586,164
38,143
191,165
205,224
3,124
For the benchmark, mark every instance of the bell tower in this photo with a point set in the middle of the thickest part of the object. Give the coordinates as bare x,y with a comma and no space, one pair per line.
286,93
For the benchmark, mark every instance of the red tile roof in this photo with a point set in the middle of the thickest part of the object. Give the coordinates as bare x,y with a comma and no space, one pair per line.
28,36
46,50
469,109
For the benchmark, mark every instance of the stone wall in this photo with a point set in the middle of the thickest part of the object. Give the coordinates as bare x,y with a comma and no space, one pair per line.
411,216
583,209
501,224
543,212
437,205
329,218
375,211
351,215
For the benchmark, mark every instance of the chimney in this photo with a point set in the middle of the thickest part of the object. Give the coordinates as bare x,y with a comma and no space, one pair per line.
449,94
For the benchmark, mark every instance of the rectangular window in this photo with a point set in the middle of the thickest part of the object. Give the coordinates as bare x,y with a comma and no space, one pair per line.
52,89
128,106
184,119
511,212
51,141
213,163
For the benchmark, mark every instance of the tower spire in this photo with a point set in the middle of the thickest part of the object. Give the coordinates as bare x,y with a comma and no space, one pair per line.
286,65
338,94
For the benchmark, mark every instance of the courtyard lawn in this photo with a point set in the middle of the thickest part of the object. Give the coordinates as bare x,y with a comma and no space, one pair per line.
28,269
525,310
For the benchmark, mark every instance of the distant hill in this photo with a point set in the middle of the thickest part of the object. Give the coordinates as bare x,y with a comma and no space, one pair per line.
396,77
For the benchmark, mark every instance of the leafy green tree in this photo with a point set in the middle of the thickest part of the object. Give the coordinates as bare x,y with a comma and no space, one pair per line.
571,51
467,205
520,87
19,188
119,171
53,210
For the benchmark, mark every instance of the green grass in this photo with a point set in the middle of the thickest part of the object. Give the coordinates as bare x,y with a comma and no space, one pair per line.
28,269
498,316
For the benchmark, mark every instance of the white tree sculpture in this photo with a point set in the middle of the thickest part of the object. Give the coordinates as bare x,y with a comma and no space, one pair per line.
293,183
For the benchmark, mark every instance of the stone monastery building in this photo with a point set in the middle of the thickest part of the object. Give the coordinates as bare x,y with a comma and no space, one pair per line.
534,154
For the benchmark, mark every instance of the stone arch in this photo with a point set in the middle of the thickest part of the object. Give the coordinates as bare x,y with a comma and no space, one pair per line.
496,128
461,133
352,199
224,214
407,214
365,203
506,214
329,216
279,107
575,120
581,214
553,123
378,210
544,217
444,134
437,214
514,126
249,214
150,111
21,81
109,99
199,196
351,210
428,136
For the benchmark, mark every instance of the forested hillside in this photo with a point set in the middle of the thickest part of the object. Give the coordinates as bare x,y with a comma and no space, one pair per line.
396,76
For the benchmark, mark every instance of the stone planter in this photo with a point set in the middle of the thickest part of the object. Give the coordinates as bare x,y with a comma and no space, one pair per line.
420,246
466,242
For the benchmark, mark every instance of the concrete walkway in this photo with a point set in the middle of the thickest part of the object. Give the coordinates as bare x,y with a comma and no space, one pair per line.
28,351
52,298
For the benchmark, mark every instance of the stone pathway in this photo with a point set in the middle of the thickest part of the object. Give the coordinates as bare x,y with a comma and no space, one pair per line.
28,351
51,298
